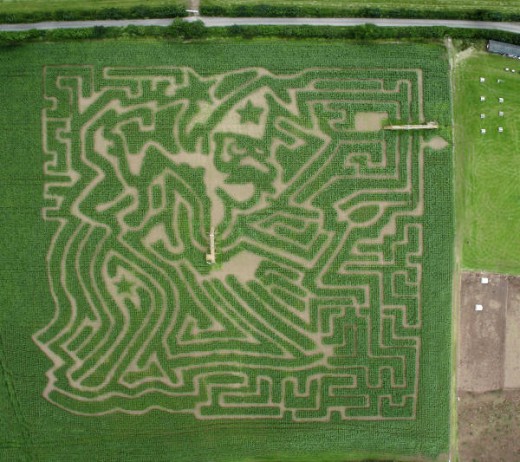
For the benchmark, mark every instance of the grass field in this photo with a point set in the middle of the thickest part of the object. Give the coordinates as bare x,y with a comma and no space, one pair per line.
488,165
27,6
323,329
510,6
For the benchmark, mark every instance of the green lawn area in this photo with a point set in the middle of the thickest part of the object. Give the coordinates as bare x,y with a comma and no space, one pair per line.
488,165
324,335
27,6
503,6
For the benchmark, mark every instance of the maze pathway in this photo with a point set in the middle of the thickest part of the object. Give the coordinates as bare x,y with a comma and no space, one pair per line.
312,309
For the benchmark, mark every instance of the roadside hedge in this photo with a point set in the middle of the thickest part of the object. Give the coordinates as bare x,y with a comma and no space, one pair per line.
372,32
268,10
183,30
135,12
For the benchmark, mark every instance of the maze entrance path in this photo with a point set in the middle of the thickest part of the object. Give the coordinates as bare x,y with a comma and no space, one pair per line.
313,307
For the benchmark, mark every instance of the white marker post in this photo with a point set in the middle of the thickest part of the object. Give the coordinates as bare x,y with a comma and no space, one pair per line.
210,257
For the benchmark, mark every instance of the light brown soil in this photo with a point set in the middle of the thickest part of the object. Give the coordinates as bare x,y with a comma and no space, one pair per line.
489,364
193,4
243,266
369,121
464,55
489,426
437,142
482,334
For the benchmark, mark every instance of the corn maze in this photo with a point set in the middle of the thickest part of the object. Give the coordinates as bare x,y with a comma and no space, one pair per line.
313,308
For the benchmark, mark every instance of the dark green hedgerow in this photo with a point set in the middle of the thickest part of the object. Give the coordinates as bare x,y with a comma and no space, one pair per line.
135,12
196,30
371,32
267,10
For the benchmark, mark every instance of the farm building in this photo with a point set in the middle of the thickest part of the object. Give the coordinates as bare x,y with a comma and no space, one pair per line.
502,48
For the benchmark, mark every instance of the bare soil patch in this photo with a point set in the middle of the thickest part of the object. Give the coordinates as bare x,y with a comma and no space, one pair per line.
489,369
482,333
437,142
489,351
369,121
489,426
465,54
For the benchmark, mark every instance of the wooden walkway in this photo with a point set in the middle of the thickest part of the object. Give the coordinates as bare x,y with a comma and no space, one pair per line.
427,126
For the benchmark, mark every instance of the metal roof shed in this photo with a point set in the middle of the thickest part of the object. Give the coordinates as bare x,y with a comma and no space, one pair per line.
502,48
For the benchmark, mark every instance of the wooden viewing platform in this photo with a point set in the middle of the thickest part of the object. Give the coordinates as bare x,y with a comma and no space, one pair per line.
210,257
427,126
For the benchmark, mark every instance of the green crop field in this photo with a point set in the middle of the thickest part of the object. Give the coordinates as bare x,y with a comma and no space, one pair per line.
225,259
503,5
27,6
488,165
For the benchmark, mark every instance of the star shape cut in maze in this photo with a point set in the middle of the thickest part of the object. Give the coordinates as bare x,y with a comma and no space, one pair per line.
196,90
250,113
124,286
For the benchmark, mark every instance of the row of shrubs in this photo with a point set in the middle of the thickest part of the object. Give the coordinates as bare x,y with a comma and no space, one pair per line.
183,30
254,10
266,10
136,12
372,32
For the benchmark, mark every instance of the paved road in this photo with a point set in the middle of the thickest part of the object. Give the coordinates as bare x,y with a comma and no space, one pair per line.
216,22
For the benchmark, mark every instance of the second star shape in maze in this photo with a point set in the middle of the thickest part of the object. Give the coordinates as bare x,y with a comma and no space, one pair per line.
313,308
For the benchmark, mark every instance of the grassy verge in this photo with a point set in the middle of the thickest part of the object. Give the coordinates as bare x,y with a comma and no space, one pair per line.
488,165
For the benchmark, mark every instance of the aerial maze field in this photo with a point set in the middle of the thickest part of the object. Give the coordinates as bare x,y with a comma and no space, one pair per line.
247,244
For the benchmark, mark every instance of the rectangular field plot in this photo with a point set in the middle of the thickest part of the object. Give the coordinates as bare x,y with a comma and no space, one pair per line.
488,164
242,246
